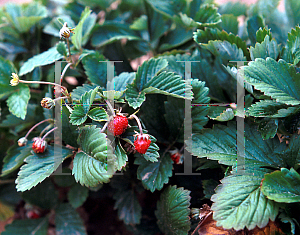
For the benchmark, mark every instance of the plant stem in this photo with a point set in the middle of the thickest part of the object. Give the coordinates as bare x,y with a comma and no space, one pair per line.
45,129
64,71
46,120
60,98
138,122
41,82
104,127
110,107
7,181
68,43
48,133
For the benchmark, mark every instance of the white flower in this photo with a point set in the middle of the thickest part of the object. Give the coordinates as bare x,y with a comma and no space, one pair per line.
15,79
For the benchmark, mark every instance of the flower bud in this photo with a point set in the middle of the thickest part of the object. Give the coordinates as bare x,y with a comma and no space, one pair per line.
39,145
65,31
15,79
22,141
47,103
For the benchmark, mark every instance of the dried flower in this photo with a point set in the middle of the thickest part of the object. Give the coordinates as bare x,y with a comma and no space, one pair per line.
65,31
39,145
15,79
47,103
22,141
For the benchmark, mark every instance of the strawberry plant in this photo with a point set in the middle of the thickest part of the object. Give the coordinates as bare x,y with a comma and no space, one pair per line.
150,117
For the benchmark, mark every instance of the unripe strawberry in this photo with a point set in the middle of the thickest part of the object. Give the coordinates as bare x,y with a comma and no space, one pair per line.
22,141
176,156
142,143
118,125
39,145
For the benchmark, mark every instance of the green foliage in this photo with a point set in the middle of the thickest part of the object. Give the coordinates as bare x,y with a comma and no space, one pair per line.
18,101
40,166
282,186
77,195
93,165
172,213
28,226
68,221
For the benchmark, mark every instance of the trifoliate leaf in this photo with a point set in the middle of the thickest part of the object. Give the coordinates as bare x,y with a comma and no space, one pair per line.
68,221
96,163
268,48
282,186
77,195
173,211
27,226
129,209
15,158
239,202
39,167
154,174
18,101
276,79
47,57
80,112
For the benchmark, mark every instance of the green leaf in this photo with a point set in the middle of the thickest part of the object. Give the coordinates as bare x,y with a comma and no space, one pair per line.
43,195
268,128
68,221
80,112
112,31
199,113
24,16
6,212
276,79
92,165
98,114
18,101
206,16
284,218
204,36
61,47
239,203
15,158
77,195
168,8
79,91
152,154
292,45
292,8
121,156
225,50
53,27
121,81
27,226
95,69
230,24
77,35
154,174
149,80
220,144
221,114
253,24
69,132
173,211
45,58
39,167
129,209
268,48
140,23
282,186
262,33
209,187
270,108
88,26
6,70
234,8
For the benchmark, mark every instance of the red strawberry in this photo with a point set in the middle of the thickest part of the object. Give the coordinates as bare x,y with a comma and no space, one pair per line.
142,143
39,145
176,156
118,125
